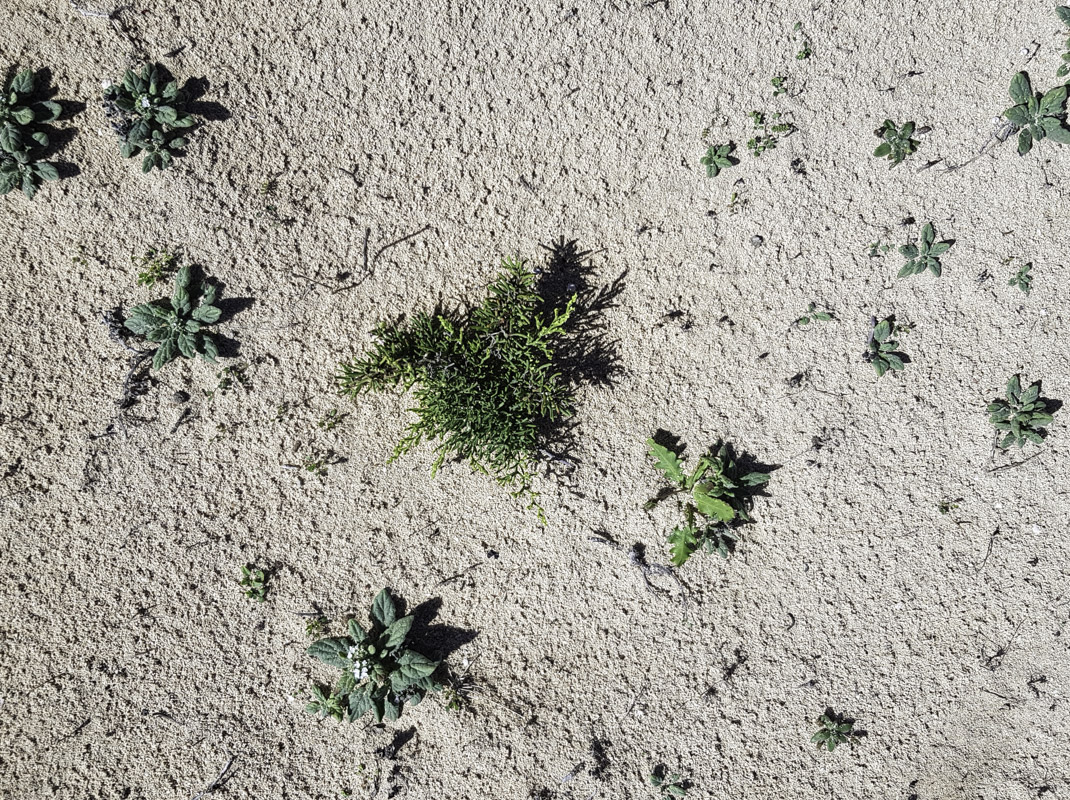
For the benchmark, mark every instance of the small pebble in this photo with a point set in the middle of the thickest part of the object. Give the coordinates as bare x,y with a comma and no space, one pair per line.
757,241
178,398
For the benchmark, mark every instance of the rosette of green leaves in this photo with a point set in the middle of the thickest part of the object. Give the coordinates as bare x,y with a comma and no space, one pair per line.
925,255
834,729
1022,416
379,673
154,112
1036,115
179,323
22,139
882,351
897,143
718,158
718,498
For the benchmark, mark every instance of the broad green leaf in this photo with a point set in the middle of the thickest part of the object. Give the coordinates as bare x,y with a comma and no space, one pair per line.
1018,115
52,108
356,631
1064,14
883,149
1030,394
755,478
211,352
395,634
1014,388
712,507
927,235
330,651
359,705
909,251
390,711
23,82
894,361
22,115
882,330
1057,132
1053,102
881,366
906,270
207,314
1025,142
383,609
415,665
683,543
940,248
667,461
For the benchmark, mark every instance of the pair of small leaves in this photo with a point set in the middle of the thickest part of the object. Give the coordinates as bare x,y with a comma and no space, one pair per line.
897,143
882,350
177,324
1022,416
925,255
813,315
718,157
1038,116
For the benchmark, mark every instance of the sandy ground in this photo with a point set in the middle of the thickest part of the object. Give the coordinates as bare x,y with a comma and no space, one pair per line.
132,667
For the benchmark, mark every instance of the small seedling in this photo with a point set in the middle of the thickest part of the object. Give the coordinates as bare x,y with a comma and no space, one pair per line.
670,785
779,85
487,378
254,581
1037,116
316,626
736,203
331,420
318,462
833,730
1022,416
805,52
228,377
23,136
154,266
1063,13
947,506
149,115
882,351
771,131
896,142
925,255
179,324
812,314
718,499
1023,278
718,158
379,673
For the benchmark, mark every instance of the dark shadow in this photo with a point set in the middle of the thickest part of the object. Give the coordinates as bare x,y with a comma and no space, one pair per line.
194,90
600,756
670,442
401,738
436,641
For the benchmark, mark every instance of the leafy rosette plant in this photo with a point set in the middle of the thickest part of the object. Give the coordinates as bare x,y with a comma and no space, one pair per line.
152,114
179,323
1021,417
882,351
22,139
1036,115
718,498
379,673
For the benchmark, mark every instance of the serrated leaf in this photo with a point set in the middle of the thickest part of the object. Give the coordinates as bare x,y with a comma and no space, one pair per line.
667,461
356,631
712,507
683,543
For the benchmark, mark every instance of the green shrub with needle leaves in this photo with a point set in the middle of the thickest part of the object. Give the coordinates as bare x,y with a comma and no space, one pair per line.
179,323
379,673
485,380
718,498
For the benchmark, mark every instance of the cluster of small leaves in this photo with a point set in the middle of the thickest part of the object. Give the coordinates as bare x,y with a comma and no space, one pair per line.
22,137
1037,116
1023,278
833,730
780,85
254,581
670,785
1063,13
227,378
925,255
486,379
897,142
178,324
379,673
813,314
151,114
718,157
878,248
1021,416
882,351
155,265
771,131
331,420
718,498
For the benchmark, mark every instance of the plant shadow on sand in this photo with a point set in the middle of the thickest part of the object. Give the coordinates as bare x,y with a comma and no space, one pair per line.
586,354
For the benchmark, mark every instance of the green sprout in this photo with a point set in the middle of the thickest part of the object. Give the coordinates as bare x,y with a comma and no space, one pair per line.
154,266
813,314
896,142
925,255
1023,278
718,158
718,499
254,581
671,786
882,351
834,729
1021,416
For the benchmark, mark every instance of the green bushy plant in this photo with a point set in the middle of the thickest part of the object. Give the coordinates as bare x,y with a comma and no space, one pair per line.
485,379
150,115
179,324
1037,116
1022,415
897,142
882,351
925,255
718,498
833,730
379,673
717,158
24,137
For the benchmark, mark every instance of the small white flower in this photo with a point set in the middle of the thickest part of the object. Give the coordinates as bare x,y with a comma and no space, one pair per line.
144,102
105,84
